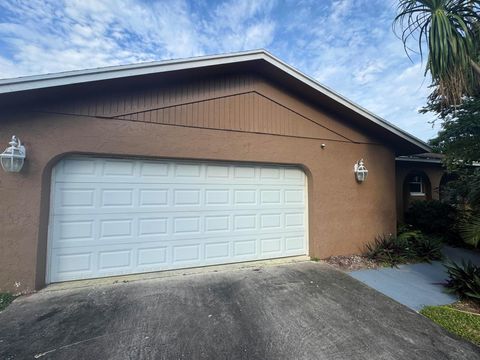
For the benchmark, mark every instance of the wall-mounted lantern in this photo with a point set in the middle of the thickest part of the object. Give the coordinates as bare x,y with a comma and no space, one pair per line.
361,171
13,157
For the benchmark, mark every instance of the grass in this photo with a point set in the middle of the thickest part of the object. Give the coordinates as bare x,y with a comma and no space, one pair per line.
463,324
5,300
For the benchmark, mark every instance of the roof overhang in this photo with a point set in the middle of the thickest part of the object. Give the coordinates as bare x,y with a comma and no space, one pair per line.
259,60
418,160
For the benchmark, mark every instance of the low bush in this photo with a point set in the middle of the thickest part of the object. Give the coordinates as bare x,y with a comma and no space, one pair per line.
5,300
464,280
409,246
433,217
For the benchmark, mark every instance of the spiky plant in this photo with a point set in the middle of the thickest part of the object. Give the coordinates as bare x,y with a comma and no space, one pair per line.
464,279
449,29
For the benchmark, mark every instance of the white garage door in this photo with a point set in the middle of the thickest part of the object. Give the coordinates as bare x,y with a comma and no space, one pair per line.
123,216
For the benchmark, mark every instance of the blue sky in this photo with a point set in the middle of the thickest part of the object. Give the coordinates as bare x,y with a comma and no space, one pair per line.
348,45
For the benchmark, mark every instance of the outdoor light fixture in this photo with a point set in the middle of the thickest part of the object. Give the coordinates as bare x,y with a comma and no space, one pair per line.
13,157
361,171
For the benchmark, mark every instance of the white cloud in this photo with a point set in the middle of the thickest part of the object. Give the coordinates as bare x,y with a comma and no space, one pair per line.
8,69
83,34
340,10
369,72
234,14
239,25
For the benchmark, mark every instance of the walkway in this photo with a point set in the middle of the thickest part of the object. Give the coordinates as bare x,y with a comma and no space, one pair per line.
416,285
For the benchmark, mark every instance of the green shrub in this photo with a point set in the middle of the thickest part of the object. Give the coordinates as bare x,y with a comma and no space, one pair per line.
427,248
5,300
464,280
432,217
408,246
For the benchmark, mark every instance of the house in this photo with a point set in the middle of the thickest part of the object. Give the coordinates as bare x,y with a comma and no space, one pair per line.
186,163
419,177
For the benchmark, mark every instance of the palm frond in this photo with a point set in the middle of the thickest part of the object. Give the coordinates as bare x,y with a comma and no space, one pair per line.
447,29
470,230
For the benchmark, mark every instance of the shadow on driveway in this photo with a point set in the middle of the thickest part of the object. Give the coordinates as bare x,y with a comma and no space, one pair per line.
294,311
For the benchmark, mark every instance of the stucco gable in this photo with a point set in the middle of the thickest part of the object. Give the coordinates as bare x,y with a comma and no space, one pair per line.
236,102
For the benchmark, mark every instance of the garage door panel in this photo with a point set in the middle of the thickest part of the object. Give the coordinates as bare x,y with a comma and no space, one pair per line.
153,226
295,220
294,243
77,263
217,250
85,167
74,198
151,256
245,248
166,240
115,228
118,168
108,229
71,230
122,197
120,216
145,172
271,245
270,221
115,259
118,198
72,266
217,172
246,221
153,197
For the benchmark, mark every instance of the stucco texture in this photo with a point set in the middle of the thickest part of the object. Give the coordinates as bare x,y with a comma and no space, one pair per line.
343,214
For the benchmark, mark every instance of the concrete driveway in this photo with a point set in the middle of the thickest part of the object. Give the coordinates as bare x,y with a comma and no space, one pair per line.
292,311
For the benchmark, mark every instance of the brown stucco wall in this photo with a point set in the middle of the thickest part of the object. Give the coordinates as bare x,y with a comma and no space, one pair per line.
343,215
434,173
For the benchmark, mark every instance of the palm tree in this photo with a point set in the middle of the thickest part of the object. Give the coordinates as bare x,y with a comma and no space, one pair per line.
450,29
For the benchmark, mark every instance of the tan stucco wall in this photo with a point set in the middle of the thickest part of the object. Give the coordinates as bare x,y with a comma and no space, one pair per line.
434,173
343,215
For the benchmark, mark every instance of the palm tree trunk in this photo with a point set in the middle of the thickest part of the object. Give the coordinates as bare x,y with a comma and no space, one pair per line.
475,67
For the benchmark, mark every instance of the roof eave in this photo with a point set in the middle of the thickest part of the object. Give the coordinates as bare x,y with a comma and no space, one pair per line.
418,160
121,71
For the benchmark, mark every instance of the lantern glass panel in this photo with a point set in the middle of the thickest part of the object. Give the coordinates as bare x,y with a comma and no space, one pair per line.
360,175
12,159
11,162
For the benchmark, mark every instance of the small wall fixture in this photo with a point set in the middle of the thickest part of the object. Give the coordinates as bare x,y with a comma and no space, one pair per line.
361,171
13,157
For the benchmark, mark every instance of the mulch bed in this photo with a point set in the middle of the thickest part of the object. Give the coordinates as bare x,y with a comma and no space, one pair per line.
468,306
351,263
